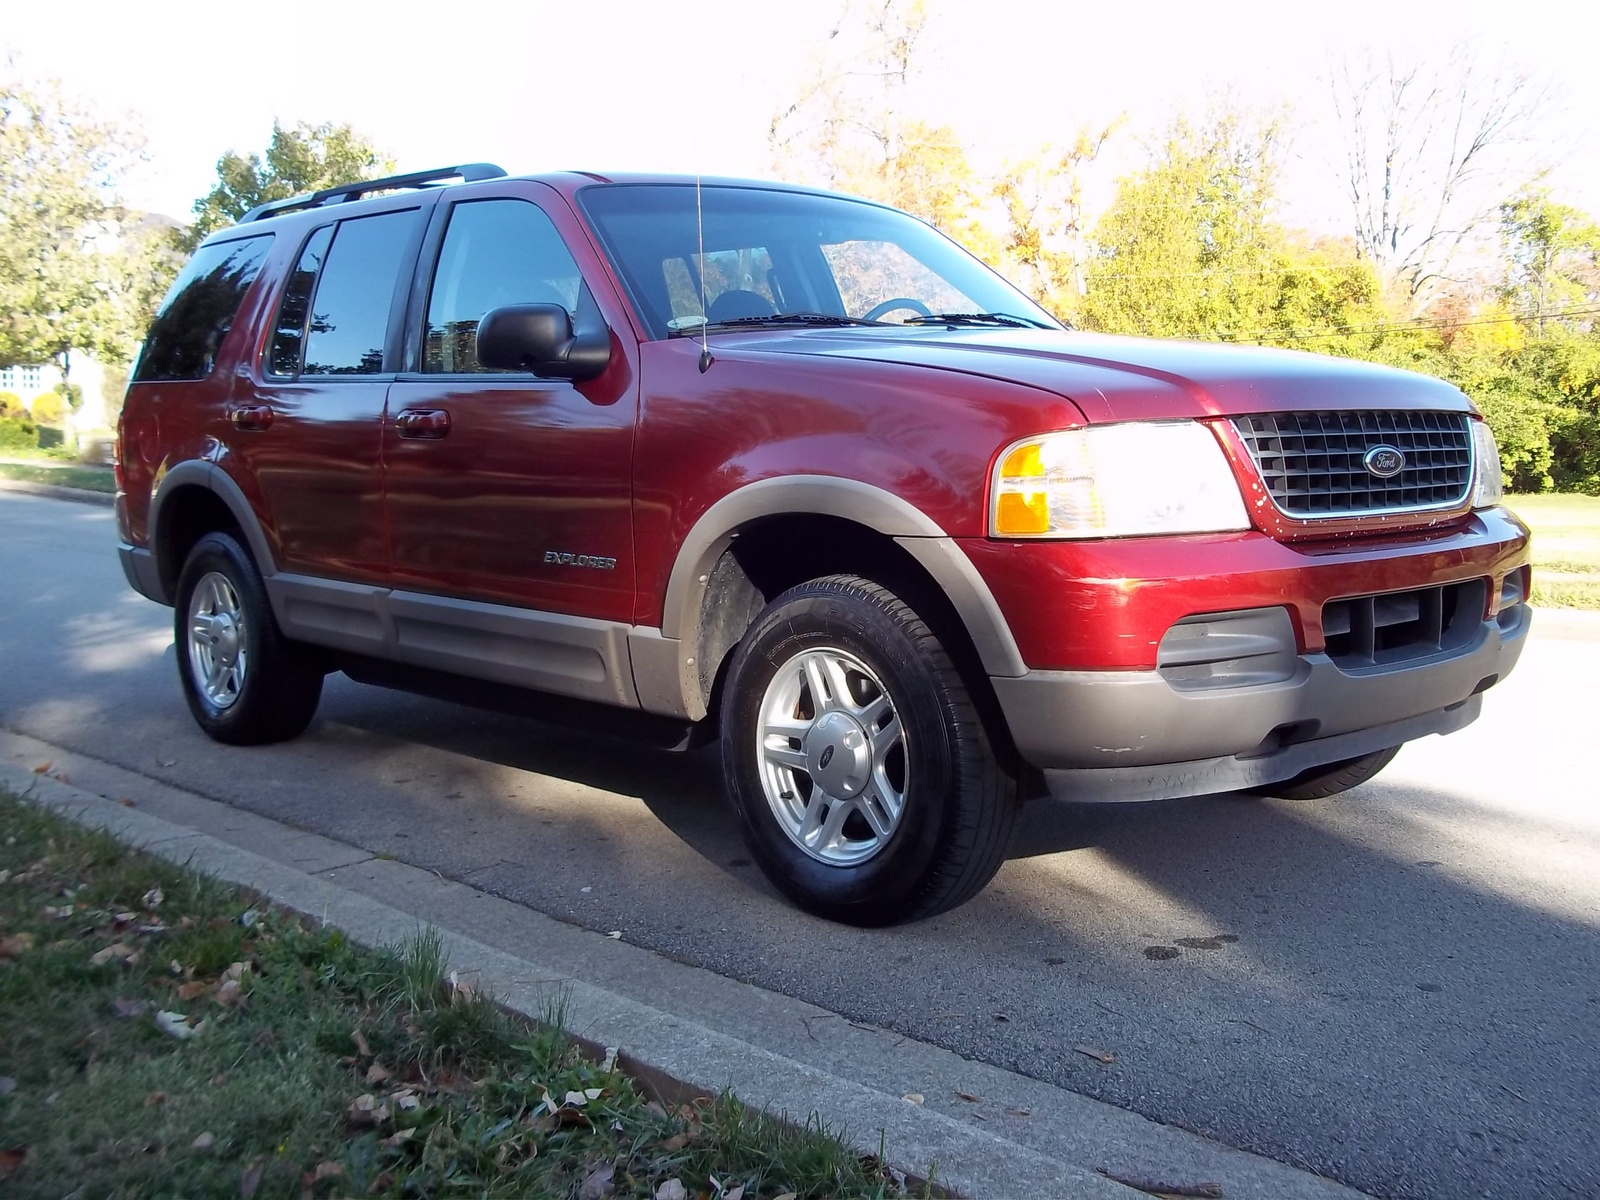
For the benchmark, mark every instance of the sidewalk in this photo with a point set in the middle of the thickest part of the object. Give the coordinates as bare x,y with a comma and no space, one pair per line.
985,1131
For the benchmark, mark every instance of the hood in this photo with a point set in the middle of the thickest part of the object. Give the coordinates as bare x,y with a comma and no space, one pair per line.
1128,378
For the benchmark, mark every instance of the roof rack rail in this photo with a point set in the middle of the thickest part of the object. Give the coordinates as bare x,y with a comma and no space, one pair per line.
467,172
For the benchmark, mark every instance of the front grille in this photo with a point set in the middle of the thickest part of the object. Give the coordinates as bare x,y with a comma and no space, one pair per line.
1398,627
1312,462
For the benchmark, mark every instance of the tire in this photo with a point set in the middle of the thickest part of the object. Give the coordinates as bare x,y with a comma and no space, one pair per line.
884,802
245,683
1320,782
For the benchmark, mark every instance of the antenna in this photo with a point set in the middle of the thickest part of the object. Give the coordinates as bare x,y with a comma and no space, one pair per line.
705,317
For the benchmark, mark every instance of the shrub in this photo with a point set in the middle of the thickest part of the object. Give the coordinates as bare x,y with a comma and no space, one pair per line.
18,433
47,408
11,405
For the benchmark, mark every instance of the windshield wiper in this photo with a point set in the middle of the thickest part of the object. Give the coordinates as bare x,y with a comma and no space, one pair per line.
993,318
775,320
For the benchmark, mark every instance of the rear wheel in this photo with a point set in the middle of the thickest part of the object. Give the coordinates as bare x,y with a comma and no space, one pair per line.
245,683
862,774
1331,779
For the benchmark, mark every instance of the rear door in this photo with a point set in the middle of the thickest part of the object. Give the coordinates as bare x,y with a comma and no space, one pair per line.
504,487
308,417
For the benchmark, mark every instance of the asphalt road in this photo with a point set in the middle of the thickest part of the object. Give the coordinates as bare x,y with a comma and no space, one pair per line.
1398,987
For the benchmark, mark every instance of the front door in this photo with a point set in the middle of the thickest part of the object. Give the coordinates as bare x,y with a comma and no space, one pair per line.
503,487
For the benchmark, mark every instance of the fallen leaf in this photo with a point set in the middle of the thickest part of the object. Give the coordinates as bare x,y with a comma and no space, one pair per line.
250,1179
913,1097
193,990
1162,1187
177,1025
1100,1056
153,898
249,917
1019,1112
378,1075
155,1099
204,1143
327,1170
459,986
398,1138
736,1192
62,777
118,951
16,945
968,1097
615,935
235,971
609,1062
126,802
1003,1018
361,1044
229,992
11,1159
382,1183
597,1183
576,1099
43,768
675,1143
367,1110
671,1189
594,1093
406,1100
124,1008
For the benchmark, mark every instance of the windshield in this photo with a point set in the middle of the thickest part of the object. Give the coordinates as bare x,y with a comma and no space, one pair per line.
775,257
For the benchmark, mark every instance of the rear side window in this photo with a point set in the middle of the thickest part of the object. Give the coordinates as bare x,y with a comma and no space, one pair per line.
495,252
199,309
348,321
289,331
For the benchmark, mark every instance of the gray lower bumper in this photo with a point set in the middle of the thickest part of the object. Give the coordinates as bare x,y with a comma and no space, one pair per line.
1130,735
143,573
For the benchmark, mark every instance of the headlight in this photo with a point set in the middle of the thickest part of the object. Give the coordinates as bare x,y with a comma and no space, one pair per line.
1143,477
1487,490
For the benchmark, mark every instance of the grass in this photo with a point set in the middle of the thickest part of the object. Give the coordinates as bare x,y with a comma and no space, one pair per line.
319,1067
46,468
1566,548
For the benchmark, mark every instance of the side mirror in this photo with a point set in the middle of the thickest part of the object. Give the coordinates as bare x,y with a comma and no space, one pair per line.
540,338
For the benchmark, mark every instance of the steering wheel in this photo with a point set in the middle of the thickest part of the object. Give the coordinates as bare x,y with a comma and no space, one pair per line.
888,306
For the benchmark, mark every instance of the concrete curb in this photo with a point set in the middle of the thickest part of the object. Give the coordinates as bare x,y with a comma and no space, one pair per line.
677,1024
57,492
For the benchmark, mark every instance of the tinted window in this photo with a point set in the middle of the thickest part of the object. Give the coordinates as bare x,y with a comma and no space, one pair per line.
289,333
495,252
199,309
350,309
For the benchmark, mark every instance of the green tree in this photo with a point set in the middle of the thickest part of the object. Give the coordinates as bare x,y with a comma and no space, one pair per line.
65,279
303,159
1189,247
1551,254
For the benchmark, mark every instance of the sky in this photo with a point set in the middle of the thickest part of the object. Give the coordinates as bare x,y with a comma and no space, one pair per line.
691,85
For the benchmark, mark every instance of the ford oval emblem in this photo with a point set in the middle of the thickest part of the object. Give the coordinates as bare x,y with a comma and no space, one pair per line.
1384,461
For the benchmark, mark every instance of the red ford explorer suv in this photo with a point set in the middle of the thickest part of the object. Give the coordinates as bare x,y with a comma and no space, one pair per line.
792,470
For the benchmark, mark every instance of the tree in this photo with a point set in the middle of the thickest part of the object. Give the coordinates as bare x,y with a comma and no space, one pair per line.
1429,152
64,279
304,159
1188,247
1046,227
1552,260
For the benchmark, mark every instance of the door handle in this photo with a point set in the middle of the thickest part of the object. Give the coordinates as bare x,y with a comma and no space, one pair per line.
252,416
423,423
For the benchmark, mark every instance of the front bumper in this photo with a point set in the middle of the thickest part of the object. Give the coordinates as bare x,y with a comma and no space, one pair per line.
1133,735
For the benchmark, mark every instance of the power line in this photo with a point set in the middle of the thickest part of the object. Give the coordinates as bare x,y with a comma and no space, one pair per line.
1410,326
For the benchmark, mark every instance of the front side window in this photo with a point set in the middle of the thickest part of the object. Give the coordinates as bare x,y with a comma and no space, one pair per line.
495,253
199,309
354,293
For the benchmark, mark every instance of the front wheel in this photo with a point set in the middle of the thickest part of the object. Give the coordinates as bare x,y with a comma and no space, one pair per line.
864,780
245,682
1320,782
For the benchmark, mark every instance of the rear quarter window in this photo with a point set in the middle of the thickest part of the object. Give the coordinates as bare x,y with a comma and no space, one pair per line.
199,309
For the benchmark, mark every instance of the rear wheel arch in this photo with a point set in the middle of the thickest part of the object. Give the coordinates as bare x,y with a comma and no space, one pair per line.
196,498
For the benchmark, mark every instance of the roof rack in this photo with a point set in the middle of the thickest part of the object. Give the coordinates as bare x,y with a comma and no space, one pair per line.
467,172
